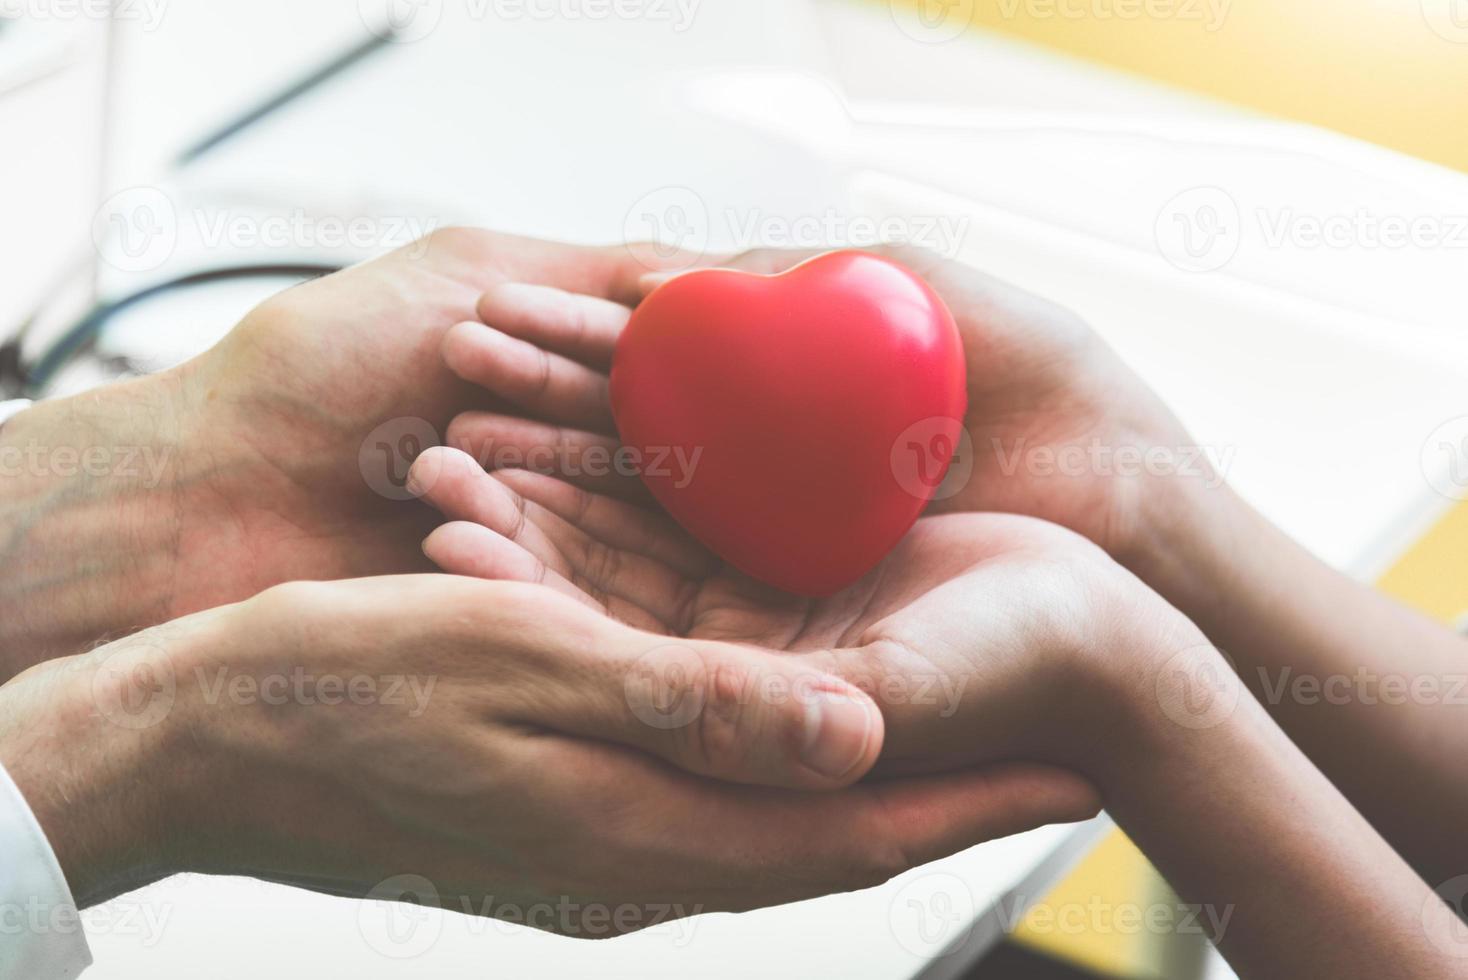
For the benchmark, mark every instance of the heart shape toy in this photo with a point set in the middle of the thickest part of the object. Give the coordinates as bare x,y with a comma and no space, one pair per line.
796,424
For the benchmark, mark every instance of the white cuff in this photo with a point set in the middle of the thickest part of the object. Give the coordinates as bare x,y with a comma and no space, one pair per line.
41,935
14,407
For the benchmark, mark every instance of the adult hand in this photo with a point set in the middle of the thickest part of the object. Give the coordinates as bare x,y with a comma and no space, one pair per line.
975,635
504,744
986,637
1061,428
275,456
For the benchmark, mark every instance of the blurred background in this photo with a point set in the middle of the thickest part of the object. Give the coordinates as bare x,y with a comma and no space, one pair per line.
1260,203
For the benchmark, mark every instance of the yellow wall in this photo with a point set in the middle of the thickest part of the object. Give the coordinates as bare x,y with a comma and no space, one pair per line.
1375,69
1433,574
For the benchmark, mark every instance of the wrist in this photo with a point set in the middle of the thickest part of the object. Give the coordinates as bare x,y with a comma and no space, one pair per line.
1145,676
99,746
1187,547
90,517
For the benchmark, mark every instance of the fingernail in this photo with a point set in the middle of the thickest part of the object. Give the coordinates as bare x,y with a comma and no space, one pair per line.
838,728
414,483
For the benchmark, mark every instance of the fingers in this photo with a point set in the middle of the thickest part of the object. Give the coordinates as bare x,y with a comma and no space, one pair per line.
614,522
453,483
541,383
934,816
463,548
480,259
585,459
582,328
836,841
600,569
619,567
726,711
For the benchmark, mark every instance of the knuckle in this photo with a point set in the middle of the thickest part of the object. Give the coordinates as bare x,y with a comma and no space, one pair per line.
582,500
573,315
540,381
518,518
719,734
603,563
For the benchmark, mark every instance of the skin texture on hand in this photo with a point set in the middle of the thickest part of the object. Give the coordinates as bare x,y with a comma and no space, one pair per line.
638,566
126,498
528,758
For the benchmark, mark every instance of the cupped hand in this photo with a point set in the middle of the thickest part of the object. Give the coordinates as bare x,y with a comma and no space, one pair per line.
490,747
981,637
1058,427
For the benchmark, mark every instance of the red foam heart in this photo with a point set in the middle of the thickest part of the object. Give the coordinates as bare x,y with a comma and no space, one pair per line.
796,424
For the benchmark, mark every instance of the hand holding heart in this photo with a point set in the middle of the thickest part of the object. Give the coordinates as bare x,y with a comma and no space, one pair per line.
796,399
1040,385
912,617
981,638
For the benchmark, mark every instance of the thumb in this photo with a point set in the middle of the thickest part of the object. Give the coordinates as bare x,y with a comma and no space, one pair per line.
734,713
